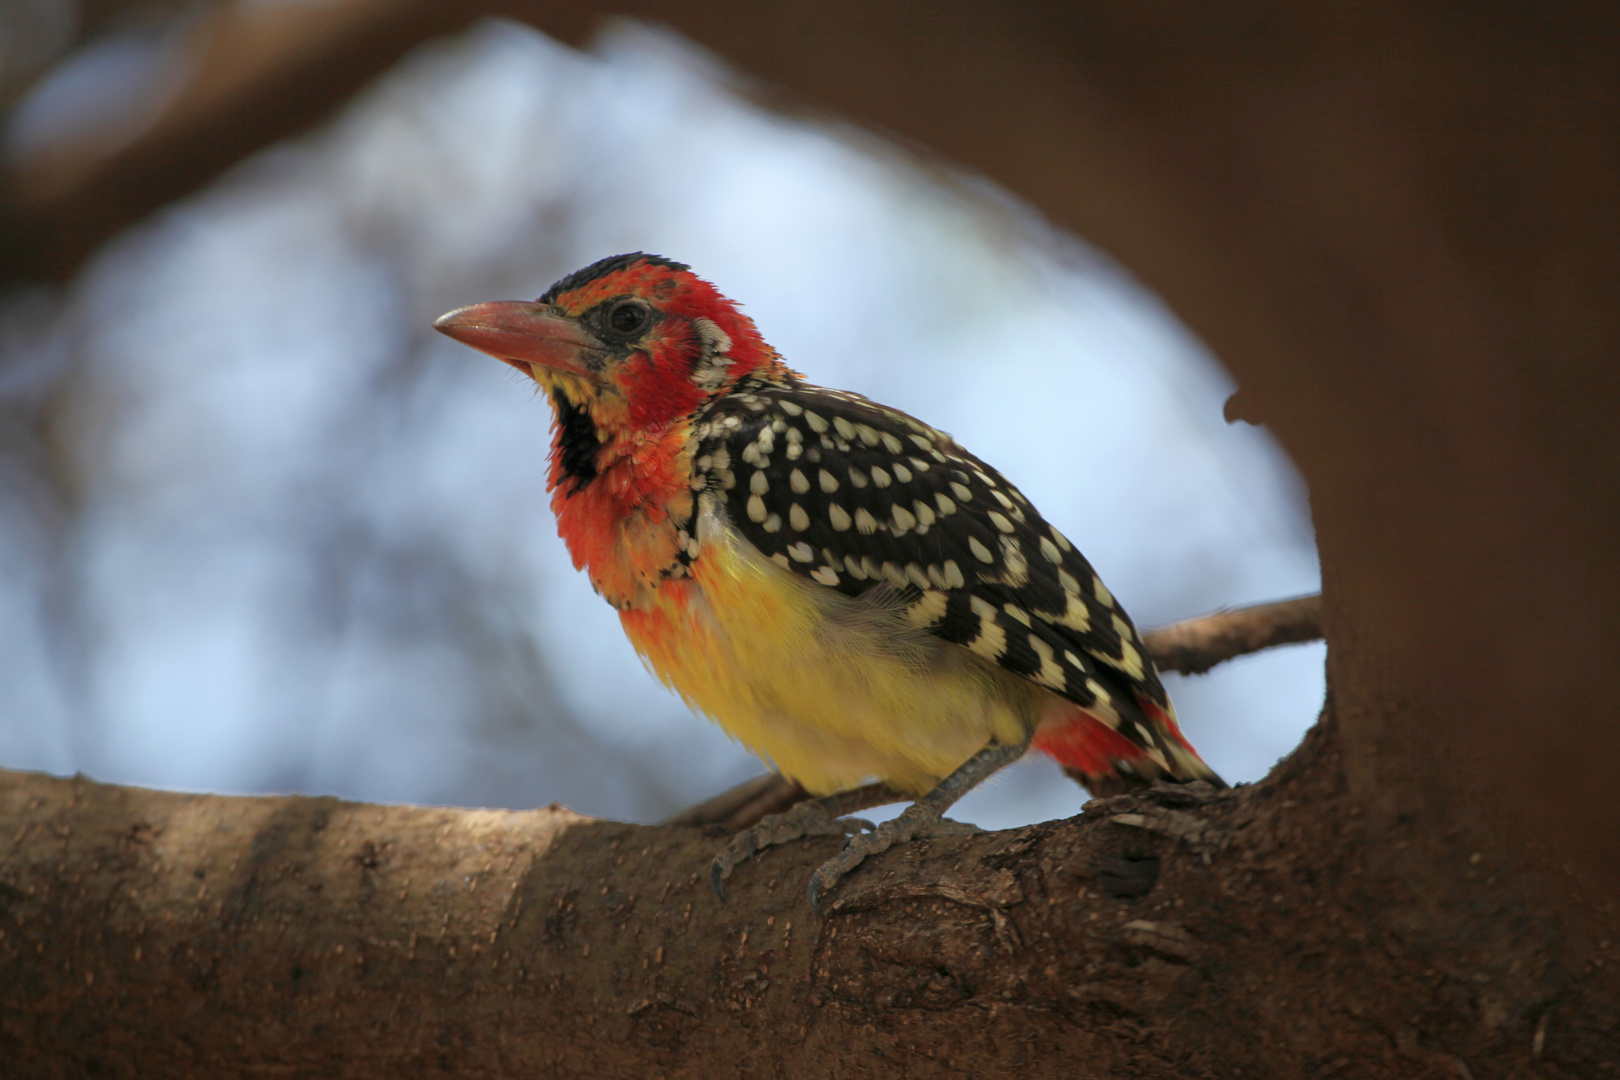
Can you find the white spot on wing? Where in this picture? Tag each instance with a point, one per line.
(928, 609)
(991, 641)
(1050, 674)
(1102, 592)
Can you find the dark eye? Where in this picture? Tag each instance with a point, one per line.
(627, 317)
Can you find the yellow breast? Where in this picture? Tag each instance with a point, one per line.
(833, 690)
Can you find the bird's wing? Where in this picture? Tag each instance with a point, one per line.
(851, 494)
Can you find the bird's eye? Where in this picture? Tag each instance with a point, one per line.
(627, 317)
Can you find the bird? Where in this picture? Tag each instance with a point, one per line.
(874, 611)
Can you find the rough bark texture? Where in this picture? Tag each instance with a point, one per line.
(1397, 226)
(1254, 933)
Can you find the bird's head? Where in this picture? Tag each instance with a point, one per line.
(633, 342)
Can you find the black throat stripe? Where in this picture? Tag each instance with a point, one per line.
(577, 442)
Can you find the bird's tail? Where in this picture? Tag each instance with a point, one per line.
(1103, 759)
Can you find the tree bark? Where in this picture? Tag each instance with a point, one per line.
(1168, 933)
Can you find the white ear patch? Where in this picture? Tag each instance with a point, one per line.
(715, 340)
(710, 371)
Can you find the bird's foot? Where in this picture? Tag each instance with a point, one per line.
(916, 822)
(813, 818)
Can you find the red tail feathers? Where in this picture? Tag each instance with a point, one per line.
(1088, 746)
(1101, 757)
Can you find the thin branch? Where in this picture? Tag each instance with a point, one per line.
(739, 807)
(1196, 645)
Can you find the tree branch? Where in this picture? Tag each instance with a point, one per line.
(1196, 645)
(737, 808)
(1171, 932)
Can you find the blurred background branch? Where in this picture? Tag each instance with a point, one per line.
(250, 74)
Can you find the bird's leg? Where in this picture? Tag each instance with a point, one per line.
(813, 817)
(923, 818)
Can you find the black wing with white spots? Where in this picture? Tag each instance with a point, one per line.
(851, 494)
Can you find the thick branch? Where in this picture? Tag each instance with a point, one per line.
(148, 934)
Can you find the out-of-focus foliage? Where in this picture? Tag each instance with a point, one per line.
(260, 529)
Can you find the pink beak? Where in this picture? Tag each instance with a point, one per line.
(521, 334)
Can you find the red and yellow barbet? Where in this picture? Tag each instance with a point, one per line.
(842, 587)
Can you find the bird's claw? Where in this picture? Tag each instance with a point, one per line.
(717, 876)
(912, 824)
(855, 826)
(805, 819)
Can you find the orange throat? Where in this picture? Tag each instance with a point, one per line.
(622, 525)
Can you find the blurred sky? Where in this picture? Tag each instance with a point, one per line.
(262, 530)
